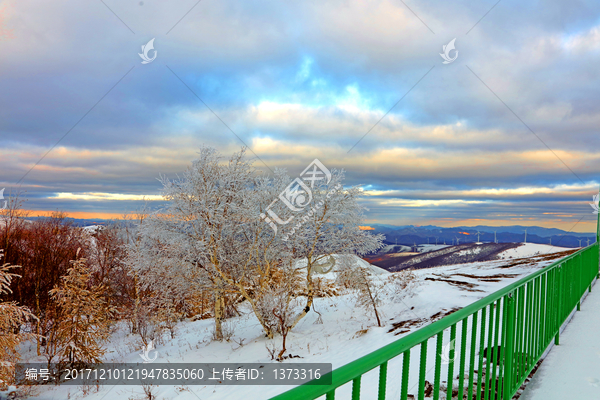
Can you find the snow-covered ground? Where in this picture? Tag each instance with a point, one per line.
(388, 248)
(426, 248)
(572, 369)
(92, 228)
(345, 334)
(529, 250)
(332, 272)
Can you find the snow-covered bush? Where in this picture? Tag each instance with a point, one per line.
(12, 318)
(401, 284)
(358, 278)
(84, 317)
(278, 306)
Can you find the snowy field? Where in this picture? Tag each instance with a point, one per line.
(345, 333)
(426, 248)
(529, 249)
(571, 370)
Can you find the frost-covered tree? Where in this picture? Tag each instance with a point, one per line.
(329, 225)
(12, 318)
(85, 317)
(358, 277)
(197, 229)
(212, 228)
(106, 256)
(262, 264)
(136, 263)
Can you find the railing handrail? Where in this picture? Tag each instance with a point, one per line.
(368, 362)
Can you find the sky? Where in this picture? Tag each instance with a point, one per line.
(506, 134)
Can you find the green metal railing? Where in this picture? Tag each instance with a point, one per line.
(500, 340)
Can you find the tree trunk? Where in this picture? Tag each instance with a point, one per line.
(280, 356)
(266, 328)
(136, 307)
(372, 301)
(309, 297)
(245, 295)
(377, 315)
(219, 309)
(37, 325)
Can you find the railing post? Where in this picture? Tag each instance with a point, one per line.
(405, 372)
(509, 331)
(382, 380)
(422, 370)
(559, 304)
(356, 388)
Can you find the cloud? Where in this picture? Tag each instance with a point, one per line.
(104, 196)
(298, 81)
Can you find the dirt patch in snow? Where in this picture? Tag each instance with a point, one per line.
(488, 278)
(468, 286)
(402, 326)
(539, 258)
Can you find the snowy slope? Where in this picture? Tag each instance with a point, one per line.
(346, 333)
(375, 270)
(531, 249)
(426, 248)
(92, 228)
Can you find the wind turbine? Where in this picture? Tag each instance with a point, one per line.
(495, 241)
(427, 239)
(436, 239)
(588, 241)
(478, 235)
(550, 240)
(580, 242)
(457, 241)
(525, 236)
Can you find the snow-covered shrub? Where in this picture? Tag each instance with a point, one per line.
(359, 279)
(85, 318)
(12, 318)
(278, 306)
(147, 327)
(401, 284)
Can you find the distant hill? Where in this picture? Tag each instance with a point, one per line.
(77, 221)
(424, 257)
(409, 235)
